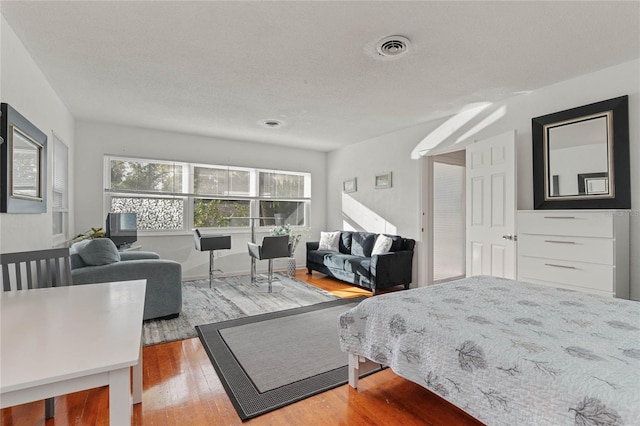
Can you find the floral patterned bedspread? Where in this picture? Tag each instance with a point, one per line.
(508, 352)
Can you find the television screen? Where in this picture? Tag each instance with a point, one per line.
(122, 228)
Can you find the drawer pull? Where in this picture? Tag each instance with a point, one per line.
(559, 242)
(559, 217)
(560, 266)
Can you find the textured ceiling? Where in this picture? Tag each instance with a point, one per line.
(218, 68)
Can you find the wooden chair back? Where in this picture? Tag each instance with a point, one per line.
(27, 270)
(35, 269)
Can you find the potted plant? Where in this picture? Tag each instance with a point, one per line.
(294, 238)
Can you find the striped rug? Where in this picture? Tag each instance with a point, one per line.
(269, 361)
(230, 298)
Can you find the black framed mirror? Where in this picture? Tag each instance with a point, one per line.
(23, 155)
(581, 157)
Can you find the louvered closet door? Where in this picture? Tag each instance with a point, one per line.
(491, 206)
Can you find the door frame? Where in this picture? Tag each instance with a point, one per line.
(425, 263)
(425, 220)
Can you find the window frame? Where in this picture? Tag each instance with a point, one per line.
(189, 194)
(62, 209)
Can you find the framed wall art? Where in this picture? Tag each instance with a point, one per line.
(383, 180)
(350, 185)
(23, 155)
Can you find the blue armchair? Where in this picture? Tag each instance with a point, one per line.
(164, 277)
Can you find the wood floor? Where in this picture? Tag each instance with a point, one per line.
(182, 388)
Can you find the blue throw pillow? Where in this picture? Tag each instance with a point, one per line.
(362, 243)
(99, 251)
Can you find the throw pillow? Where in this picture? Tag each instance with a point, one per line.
(329, 241)
(76, 260)
(99, 251)
(382, 245)
(345, 242)
(362, 243)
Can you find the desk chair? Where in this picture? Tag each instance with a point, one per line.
(271, 248)
(28, 270)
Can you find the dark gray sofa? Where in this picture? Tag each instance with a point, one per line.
(163, 296)
(372, 272)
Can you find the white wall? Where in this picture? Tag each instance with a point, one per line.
(25, 88)
(95, 140)
(568, 163)
(401, 206)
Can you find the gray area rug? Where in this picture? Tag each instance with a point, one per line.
(268, 361)
(230, 298)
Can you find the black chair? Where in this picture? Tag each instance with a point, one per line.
(272, 248)
(211, 243)
(28, 270)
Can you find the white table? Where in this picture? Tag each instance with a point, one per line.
(59, 340)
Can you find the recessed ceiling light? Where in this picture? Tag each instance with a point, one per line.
(393, 45)
(271, 124)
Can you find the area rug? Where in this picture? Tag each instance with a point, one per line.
(230, 298)
(268, 361)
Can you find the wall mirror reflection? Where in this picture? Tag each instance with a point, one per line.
(579, 160)
(581, 157)
(26, 165)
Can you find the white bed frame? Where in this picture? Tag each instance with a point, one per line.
(359, 365)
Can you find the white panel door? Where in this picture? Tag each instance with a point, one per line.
(491, 206)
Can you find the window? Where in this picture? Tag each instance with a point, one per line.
(60, 189)
(280, 188)
(148, 188)
(221, 181)
(171, 196)
(153, 213)
(147, 176)
(220, 213)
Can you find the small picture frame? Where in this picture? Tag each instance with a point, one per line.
(350, 185)
(383, 180)
(596, 185)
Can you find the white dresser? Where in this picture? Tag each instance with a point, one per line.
(586, 250)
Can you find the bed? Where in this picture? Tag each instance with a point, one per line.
(506, 352)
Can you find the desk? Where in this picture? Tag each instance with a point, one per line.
(61, 340)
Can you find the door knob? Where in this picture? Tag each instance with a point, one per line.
(510, 237)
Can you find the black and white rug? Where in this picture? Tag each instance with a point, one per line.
(230, 298)
(268, 361)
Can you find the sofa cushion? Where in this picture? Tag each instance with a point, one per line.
(362, 243)
(317, 256)
(345, 242)
(329, 241)
(99, 251)
(74, 256)
(382, 245)
(397, 242)
(336, 260)
(358, 265)
(76, 261)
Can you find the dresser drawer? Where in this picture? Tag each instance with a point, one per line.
(566, 222)
(575, 274)
(579, 249)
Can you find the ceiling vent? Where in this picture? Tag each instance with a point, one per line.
(393, 46)
(271, 124)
